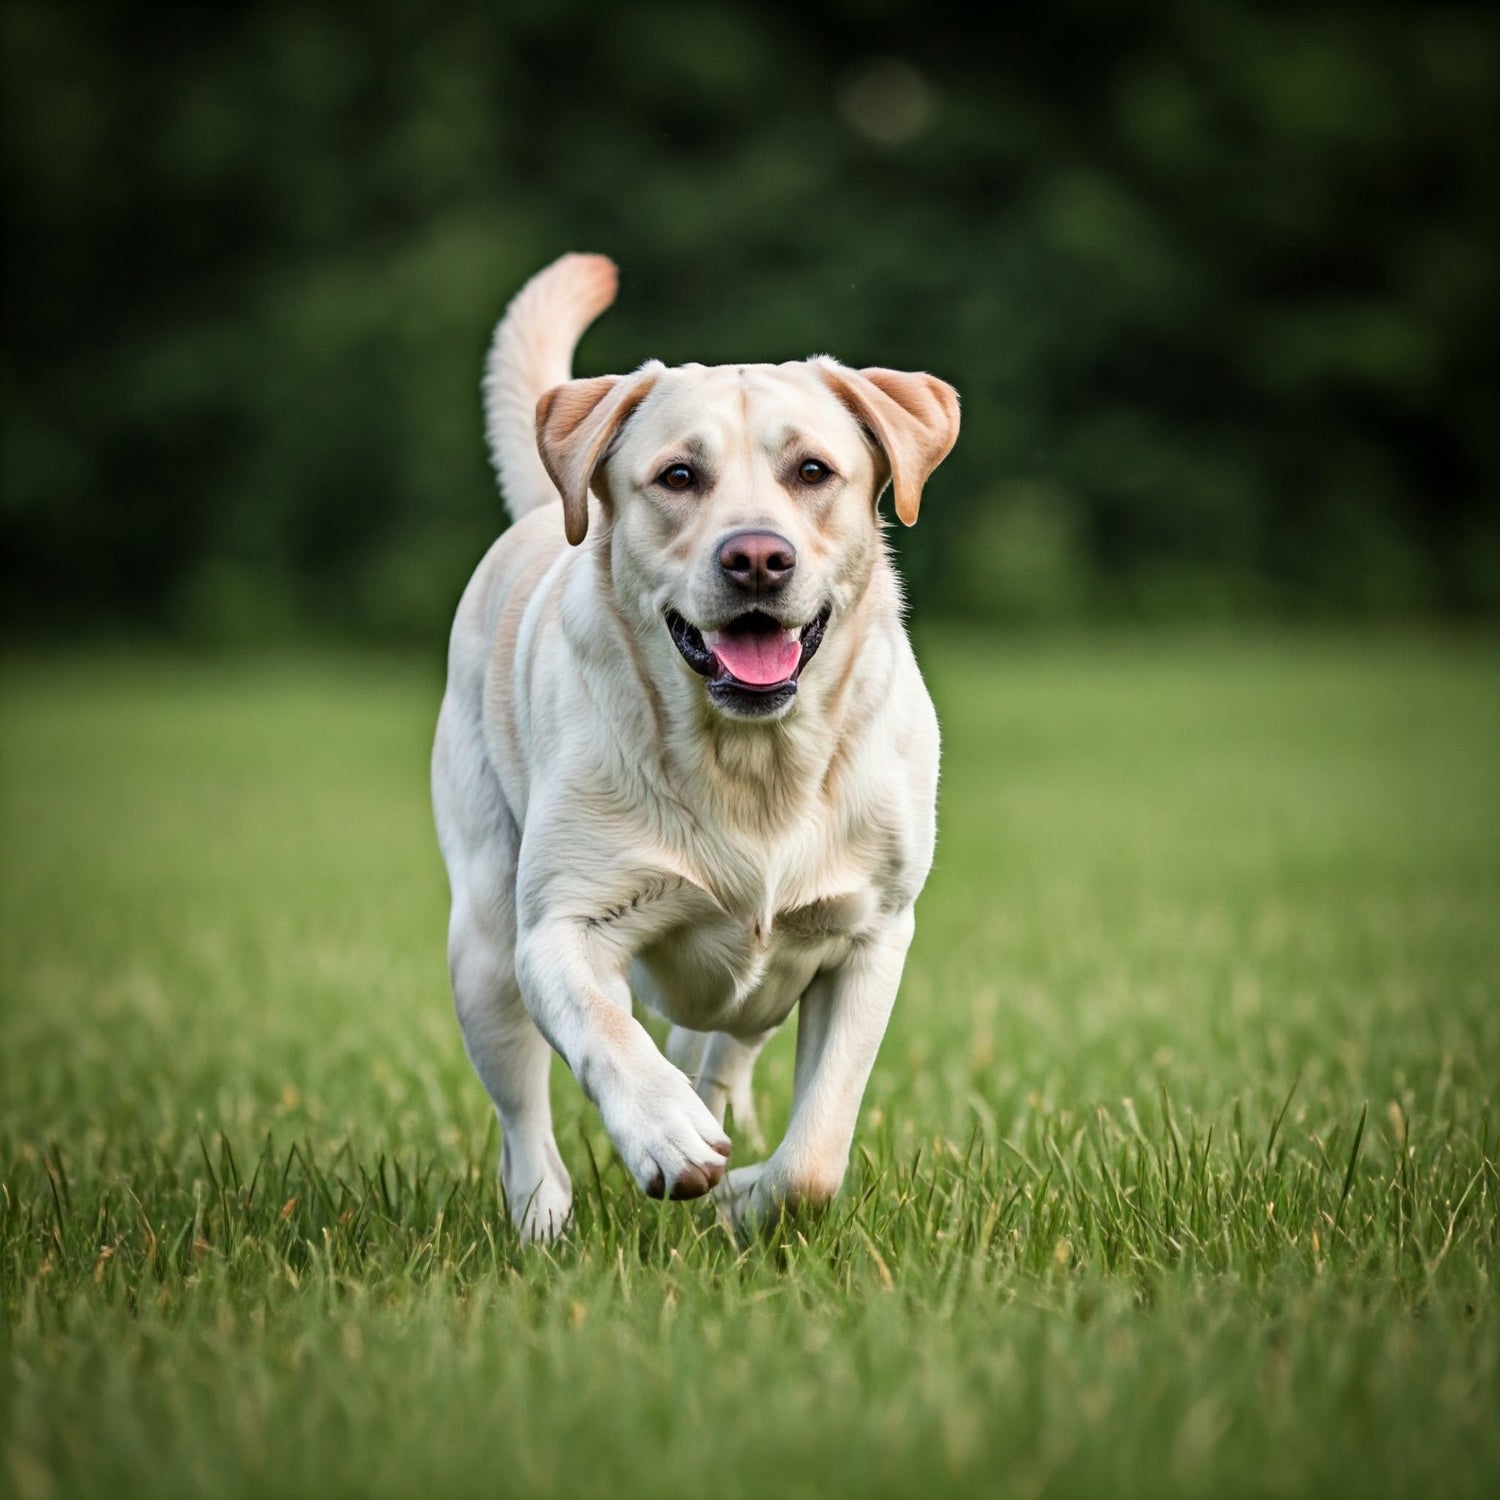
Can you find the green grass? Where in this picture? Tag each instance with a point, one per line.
(1177, 1174)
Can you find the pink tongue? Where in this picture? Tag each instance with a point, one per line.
(757, 657)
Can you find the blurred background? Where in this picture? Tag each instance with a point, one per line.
(1216, 280)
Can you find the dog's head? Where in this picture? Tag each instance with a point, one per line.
(742, 504)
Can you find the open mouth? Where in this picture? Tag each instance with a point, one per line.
(752, 657)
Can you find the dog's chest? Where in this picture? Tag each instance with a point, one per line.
(743, 968)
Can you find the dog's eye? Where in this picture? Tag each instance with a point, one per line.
(812, 472)
(677, 477)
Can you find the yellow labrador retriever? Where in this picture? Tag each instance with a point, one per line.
(685, 752)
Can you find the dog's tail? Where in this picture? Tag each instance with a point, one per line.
(532, 351)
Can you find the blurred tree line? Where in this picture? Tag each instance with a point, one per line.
(1216, 280)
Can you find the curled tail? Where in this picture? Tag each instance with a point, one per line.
(532, 351)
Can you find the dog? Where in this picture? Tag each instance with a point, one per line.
(684, 753)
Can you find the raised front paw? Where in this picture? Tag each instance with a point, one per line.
(666, 1135)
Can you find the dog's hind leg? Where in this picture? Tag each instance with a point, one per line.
(723, 1080)
(685, 1050)
(720, 1067)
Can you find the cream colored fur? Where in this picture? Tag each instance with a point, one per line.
(609, 832)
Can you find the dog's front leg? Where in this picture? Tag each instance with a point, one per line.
(573, 981)
(840, 1021)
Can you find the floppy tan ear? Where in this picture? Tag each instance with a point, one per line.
(575, 423)
(914, 418)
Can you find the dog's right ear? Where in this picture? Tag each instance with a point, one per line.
(575, 424)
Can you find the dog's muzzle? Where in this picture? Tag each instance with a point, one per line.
(751, 664)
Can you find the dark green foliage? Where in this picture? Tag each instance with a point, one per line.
(1217, 282)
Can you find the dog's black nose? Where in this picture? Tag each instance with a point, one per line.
(762, 561)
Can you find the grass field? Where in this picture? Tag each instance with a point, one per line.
(1177, 1174)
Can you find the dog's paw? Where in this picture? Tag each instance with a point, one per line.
(750, 1197)
(538, 1192)
(667, 1137)
(544, 1215)
(753, 1197)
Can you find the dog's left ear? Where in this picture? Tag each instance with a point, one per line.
(575, 424)
(914, 418)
